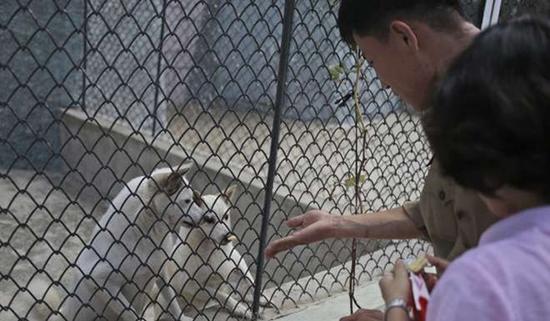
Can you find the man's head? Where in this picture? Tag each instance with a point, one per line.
(490, 122)
(406, 42)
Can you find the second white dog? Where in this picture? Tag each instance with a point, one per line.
(206, 265)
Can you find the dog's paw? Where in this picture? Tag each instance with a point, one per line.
(241, 310)
(260, 316)
(265, 303)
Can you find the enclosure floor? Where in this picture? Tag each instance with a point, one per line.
(42, 228)
(337, 306)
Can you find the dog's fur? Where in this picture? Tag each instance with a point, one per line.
(130, 246)
(208, 266)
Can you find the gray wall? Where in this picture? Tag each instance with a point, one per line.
(213, 52)
(40, 58)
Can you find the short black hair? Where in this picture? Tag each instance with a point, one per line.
(489, 125)
(372, 17)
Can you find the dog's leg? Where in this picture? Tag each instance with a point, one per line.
(169, 296)
(238, 275)
(160, 297)
(233, 305)
(89, 303)
(170, 281)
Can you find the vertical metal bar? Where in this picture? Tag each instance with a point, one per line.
(279, 101)
(159, 64)
(496, 12)
(84, 55)
(491, 13)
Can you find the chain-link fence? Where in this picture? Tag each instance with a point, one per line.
(256, 94)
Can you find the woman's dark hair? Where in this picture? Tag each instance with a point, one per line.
(372, 17)
(490, 121)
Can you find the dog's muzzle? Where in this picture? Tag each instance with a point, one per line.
(188, 224)
(187, 221)
(229, 237)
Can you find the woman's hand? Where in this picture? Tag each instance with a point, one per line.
(396, 284)
(365, 315)
(439, 263)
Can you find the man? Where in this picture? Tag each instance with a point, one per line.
(409, 44)
(489, 126)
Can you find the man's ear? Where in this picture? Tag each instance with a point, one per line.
(403, 35)
(229, 194)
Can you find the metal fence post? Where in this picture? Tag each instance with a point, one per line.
(491, 13)
(279, 101)
(84, 54)
(159, 63)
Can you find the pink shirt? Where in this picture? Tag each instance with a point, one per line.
(507, 277)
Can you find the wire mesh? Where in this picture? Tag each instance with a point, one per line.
(98, 92)
(512, 8)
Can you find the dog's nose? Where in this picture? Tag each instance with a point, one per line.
(229, 237)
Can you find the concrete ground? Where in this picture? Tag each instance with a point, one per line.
(337, 306)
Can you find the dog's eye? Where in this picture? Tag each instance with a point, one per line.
(209, 219)
(187, 201)
(225, 217)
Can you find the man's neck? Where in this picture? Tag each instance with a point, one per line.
(446, 46)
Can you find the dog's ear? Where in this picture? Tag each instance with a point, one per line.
(229, 194)
(170, 181)
(184, 168)
(175, 181)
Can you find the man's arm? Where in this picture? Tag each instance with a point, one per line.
(317, 225)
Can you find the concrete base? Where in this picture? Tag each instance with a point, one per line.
(337, 306)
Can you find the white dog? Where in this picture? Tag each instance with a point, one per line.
(206, 264)
(130, 246)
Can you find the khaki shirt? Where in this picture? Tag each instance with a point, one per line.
(452, 218)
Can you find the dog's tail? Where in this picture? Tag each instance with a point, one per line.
(48, 299)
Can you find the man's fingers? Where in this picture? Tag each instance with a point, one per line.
(296, 221)
(311, 232)
(279, 245)
(300, 237)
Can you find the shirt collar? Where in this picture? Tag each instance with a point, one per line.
(517, 223)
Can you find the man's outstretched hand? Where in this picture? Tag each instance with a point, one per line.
(313, 226)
